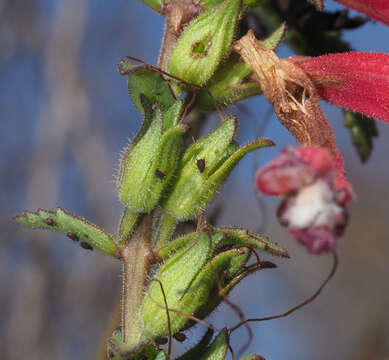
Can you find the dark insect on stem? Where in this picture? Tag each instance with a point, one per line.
(86, 246)
(72, 236)
(189, 84)
(159, 174)
(49, 222)
(180, 337)
(201, 165)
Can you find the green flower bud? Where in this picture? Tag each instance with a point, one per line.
(205, 42)
(203, 168)
(191, 290)
(149, 162)
(211, 256)
(75, 227)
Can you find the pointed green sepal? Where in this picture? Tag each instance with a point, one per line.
(218, 348)
(204, 43)
(253, 357)
(177, 244)
(199, 349)
(75, 227)
(200, 161)
(235, 236)
(195, 187)
(276, 37)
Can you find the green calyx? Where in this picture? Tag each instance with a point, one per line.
(191, 290)
(149, 162)
(75, 227)
(203, 168)
(205, 42)
(212, 257)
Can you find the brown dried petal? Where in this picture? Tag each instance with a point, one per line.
(290, 91)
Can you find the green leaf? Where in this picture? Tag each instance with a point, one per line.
(75, 227)
(362, 130)
(253, 357)
(204, 43)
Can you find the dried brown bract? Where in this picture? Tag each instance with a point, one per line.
(291, 92)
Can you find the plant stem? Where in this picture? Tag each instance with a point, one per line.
(137, 259)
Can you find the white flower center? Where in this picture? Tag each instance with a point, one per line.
(313, 206)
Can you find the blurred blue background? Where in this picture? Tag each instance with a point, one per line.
(64, 118)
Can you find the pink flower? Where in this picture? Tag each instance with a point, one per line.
(314, 206)
(376, 9)
(358, 81)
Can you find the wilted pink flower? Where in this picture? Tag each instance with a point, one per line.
(358, 81)
(376, 9)
(314, 207)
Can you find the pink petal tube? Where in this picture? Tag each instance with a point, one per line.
(358, 81)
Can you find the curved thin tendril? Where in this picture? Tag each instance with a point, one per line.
(169, 325)
(299, 306)
(191, 85)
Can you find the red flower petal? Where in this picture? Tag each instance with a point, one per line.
(376, 9)
(357, 81)
(294, 168)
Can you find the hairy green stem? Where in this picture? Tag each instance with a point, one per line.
(137, 259)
